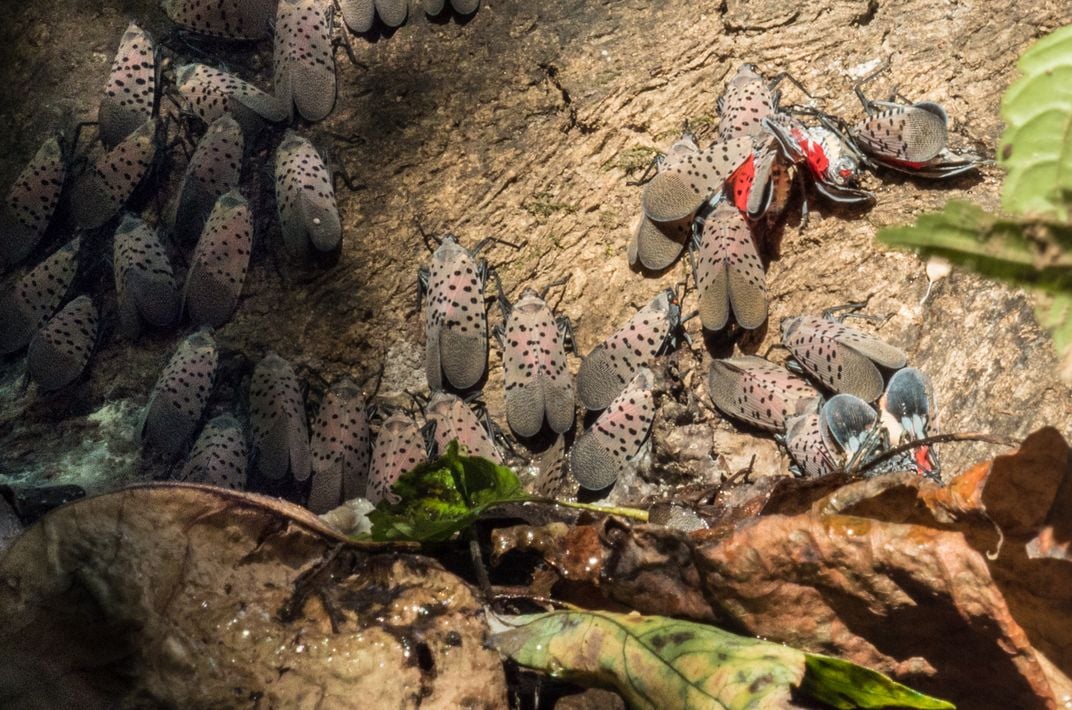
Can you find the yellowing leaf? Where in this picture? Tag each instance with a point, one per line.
(657, 662)
(1036, 147)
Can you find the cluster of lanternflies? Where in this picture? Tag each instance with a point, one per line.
(708, 201)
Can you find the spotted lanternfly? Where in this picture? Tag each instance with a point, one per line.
(214, 169)
(59, 352)
(453, 420)
(305, 197)
(759, 392)
(601, 453)
(728, 271)
(220, 455)
(303, 60)
(31, 202)
(850, 423)
(613, 363)
(359, 14)
(179, 397)
(340, 447)
(833, 164)
(36, 297)
(144, 282)
(747, 100)
(462, 7)
(910, 139)
(209, 93)
(455, 319)
(681, 186)
(808, 446)
(655, 245)
(399, 448)
(840, 357)
(277, 413)
(102, 191)
(538, 383)
(552, 474)
(908, 401)
(130, 95)
(230, 19)
(219, 263)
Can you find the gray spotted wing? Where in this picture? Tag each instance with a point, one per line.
(392, 12)
(613, 363)
(303, 60)
(399, 448)
(911, 134)
(601, 453)
(277, 413)
(130, 95)
(552, 477)
(455, 421)
(214, 169)
(678, 190)
(229, 19)
(729, 273)
(840, 357)
(759, 392)
(807, 447)
(340, 448)
(537, 379)
(746, 101)
(305, 197)
(60, 351)
(220, 456)
(31, 202)
(180, 395)
(36, 297)
(103, 190)
(209, 93)
(144, 282)
(358, 14)
(219, 263)
(456, 328)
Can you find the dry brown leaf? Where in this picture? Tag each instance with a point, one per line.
(188, 596)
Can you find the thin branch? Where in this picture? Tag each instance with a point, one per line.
(926, 441)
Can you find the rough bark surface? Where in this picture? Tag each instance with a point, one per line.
(520, 123)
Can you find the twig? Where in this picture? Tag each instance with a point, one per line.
(926, 441)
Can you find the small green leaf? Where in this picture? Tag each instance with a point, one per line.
(441, 497)
(846, 685)
(657, 662)
(1007, 249)
(1036, 147)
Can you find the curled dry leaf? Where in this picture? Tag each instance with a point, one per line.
(188, 596)
(930, 584)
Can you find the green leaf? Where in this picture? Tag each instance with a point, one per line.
(657, 662)
(441, 497)
(846, 685)
(1036, 147)
(1008, 249)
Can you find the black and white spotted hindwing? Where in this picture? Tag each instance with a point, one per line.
(277, 413)
(399, 448)
(229, 19)
(214, 169)
(729, 273)
(220, 456)
(305, 197)
(60, 351)
(455, 421)
(144, 282)
(36, 297)
(455, 319)
(759, 392)
(180, 395)
(538, 383)
(340, 448)
(840, 357)
(130, 95)
(27, 211)
(304, 63)
(613, 363)
(103, 190)
(601, 453)
(219, 263)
